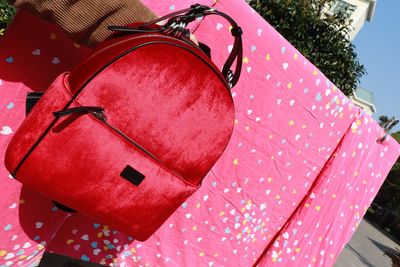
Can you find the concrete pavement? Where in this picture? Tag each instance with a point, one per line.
(367, 248)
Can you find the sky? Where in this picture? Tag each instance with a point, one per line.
(378, 49)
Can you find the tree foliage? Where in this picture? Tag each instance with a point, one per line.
(7, 12)
(321, 38)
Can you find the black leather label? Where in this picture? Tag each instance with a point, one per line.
(132, 175)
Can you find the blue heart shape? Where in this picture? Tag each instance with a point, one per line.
(20, 252)
(94, 244)
(54, 209)
(172, 7)
(85, 258)
(36, 238)
(318, 97)
(227, 230)
(8, 227)
(184, 205)
(253, 48)
(10, 60)
(283, 50)
(10, 105)
(96, 225)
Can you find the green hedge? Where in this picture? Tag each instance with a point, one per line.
(7, 13)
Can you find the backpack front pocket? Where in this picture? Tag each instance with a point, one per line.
(88, 165)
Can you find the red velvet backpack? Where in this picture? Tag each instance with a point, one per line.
(132, 131)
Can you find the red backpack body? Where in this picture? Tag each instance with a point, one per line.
(131, 132)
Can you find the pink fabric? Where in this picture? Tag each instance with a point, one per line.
(301, 169)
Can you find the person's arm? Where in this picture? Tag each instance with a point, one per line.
(86, 21)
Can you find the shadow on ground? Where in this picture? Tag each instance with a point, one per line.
(361, 257)
(394, 254)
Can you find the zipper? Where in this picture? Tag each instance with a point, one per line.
(98, 112)
(211, 66)
(103, 119)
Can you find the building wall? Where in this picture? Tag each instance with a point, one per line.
(359, 16)
(364, 106)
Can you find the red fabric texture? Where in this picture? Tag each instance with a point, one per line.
(165, 96)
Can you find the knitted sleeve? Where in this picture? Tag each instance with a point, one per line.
(86, 21)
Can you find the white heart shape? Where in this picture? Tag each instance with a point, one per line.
(9, 256)
(259, 32)
(285, 65)
(38, 225)
(327, 92)
(263, 206)
(55, 60)
(286, 235)
(36, 52)
(6, 130)
(219, 26)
